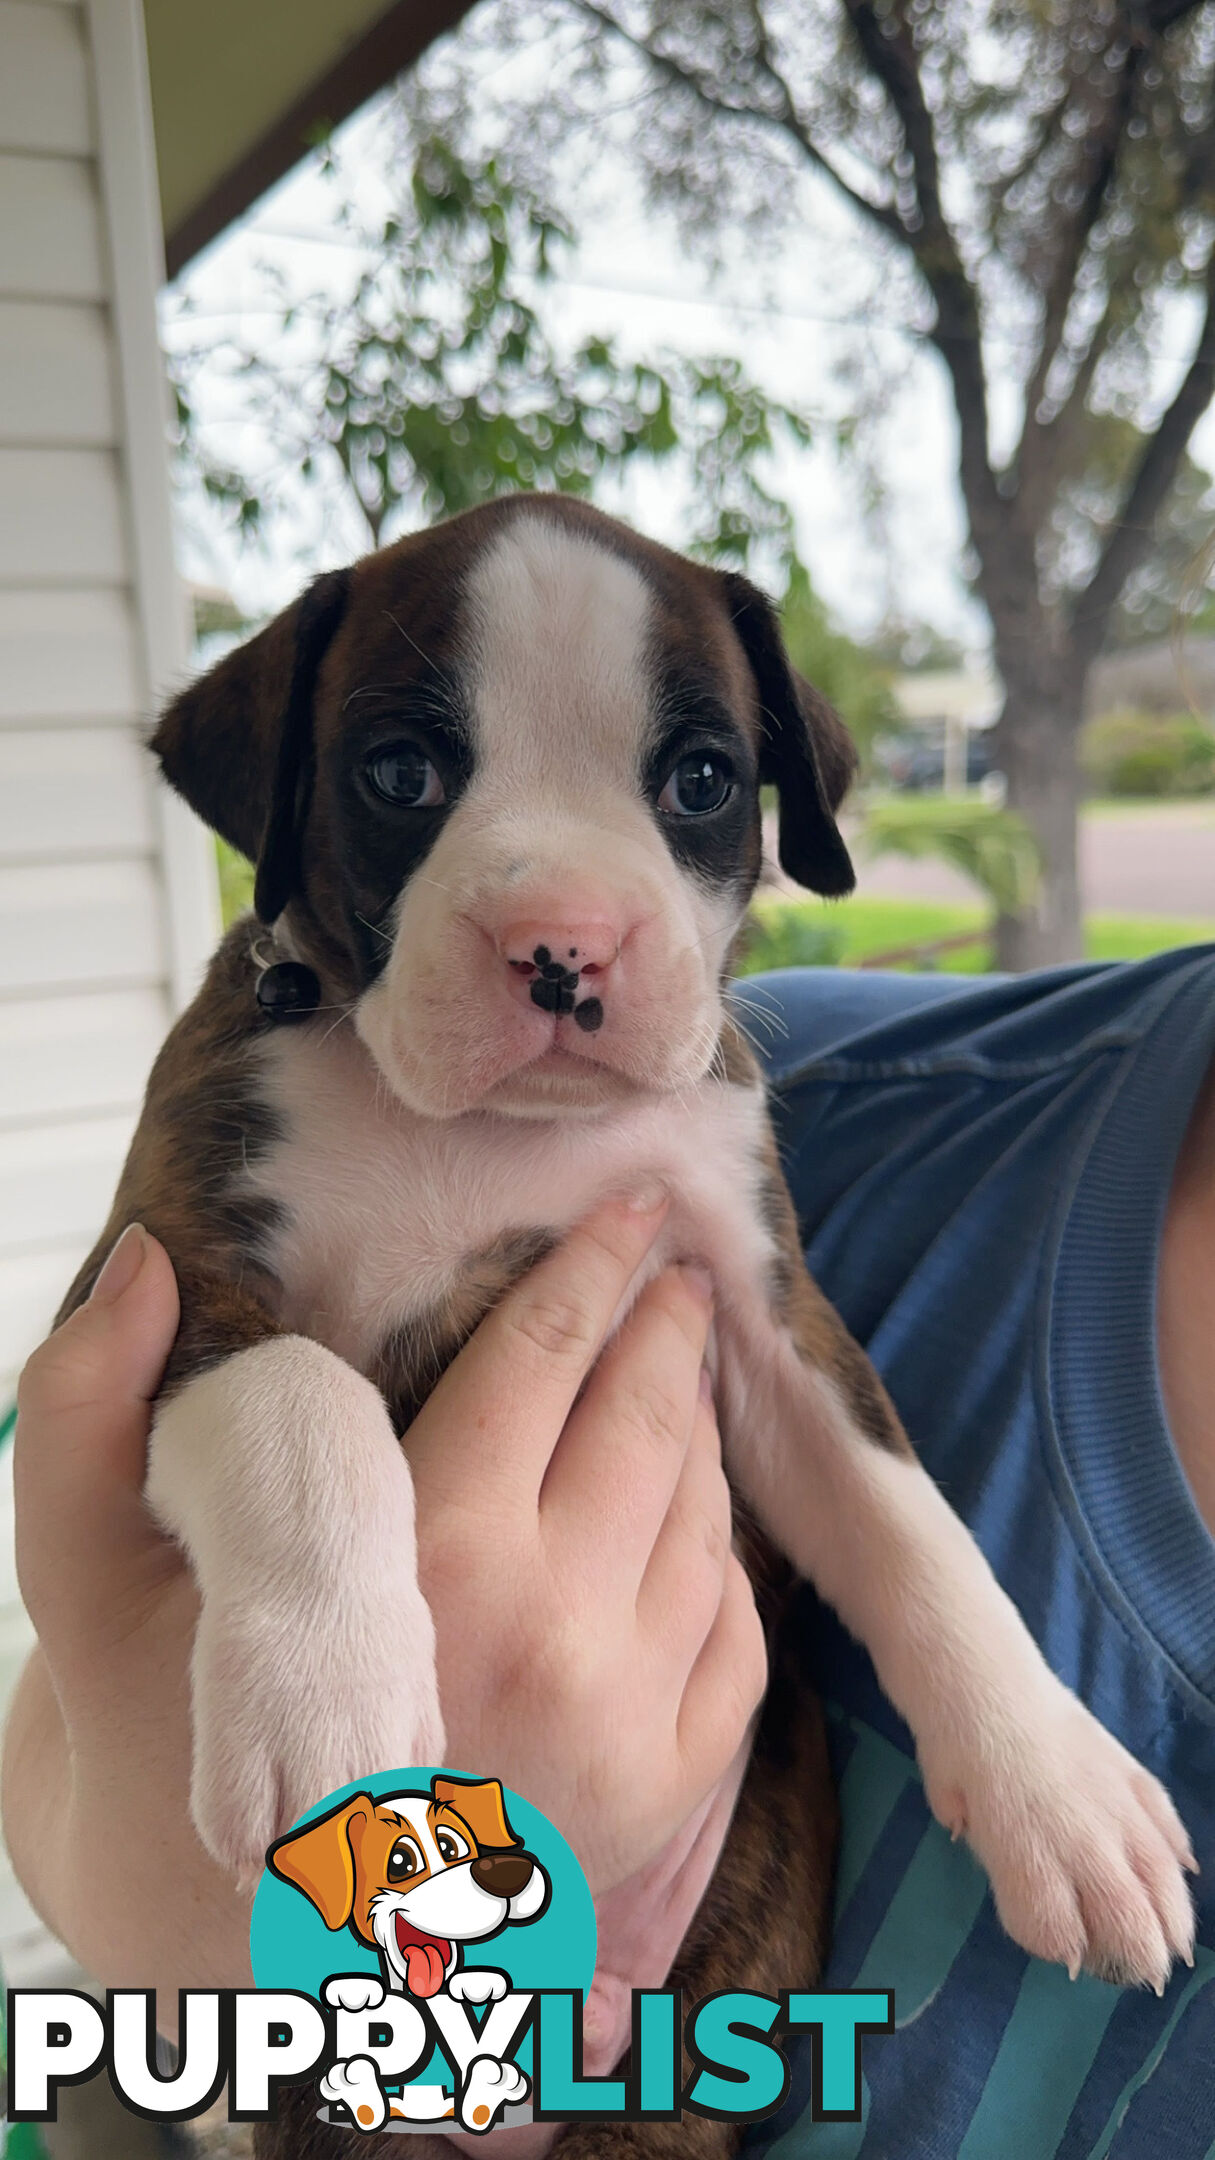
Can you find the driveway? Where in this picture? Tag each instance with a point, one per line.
(1156, 859)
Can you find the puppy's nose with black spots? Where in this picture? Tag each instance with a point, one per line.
(563, 968)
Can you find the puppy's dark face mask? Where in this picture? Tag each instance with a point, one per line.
(501, 783)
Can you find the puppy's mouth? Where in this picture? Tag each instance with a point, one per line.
(425, 1957)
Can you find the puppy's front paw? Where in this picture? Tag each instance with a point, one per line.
(490, 2086)
(1085, 1850)
(356, 2085)
(287, 1707)
(354, 1991)
(479, 1984)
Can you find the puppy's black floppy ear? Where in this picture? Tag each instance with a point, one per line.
(807, 753)
(238, 744)
(278, 864)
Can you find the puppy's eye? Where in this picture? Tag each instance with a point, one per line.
(451, 1845)
(405, 1860)
(700, 782)
(404, 775)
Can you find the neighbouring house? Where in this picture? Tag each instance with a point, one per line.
(127, 135)
(1170, 675)
(949, 705)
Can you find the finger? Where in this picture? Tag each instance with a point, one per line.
(496, 1415)
(81, 1442)
(726, 1684)
(681, 1589)
(619, 1460)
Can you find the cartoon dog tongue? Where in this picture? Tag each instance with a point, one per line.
(425, 1958)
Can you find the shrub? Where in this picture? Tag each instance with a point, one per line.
(782, 934)
(991, 846)
(1133, 753)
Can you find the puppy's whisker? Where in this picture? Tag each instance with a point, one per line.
(408, 640)
(385, 936)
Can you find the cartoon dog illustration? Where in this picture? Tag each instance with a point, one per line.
(415, 1876)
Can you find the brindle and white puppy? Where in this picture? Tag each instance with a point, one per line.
(501, 781)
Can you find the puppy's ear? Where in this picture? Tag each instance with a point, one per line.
(479, 1805)
(319, 1859)
(238, 744)
(807, 753)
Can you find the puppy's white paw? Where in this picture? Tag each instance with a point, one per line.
(356, 2085)
(354, 1991)
(289, 1706)
(480, 1984)
(489, 2087)
(1085, 1850)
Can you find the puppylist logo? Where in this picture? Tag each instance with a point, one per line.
(423, 1944)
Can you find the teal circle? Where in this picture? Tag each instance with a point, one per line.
(291, 1947)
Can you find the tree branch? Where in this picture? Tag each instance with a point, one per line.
(889, 53)
(1101, 146)
(1052, 121)
(787, 120)
(1131, 537)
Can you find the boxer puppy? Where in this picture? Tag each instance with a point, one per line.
(502, 784)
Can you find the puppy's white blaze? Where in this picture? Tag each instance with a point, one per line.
(558, 657)
(560, 670)
(279, 1473)
(411, 1807)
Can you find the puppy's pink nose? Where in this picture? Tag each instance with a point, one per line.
(581, 947)
(561, 966)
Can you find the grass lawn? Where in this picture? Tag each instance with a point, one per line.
(843, 933)
(1157, 809)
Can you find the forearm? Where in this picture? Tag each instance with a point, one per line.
(108, 1858)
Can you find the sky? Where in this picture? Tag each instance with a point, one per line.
(800, 326)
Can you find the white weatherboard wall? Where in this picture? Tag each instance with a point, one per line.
(107, 889)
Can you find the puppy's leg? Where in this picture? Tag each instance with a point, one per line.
(279, 1473)
(1084, 1849)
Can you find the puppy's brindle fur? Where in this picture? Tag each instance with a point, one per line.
(297, 1175)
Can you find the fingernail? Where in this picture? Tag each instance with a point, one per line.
(646, 1198)
(122, 1265)
(698, 1280)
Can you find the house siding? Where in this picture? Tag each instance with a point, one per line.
(107, 890)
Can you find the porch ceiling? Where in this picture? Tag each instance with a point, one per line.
(240, 87)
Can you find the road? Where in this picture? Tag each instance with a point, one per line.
(1144, 860)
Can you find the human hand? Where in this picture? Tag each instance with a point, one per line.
(96, 1767)
(598, 1644)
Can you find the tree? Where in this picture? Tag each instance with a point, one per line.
(1041, 175)
(424, 379)
(848, 674)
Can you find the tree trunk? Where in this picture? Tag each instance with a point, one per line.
(1036, 748)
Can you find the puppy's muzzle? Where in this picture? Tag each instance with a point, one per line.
(503, 1875)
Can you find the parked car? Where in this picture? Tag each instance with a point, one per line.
(915, 760)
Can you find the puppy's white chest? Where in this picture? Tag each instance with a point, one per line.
(382, 1210)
